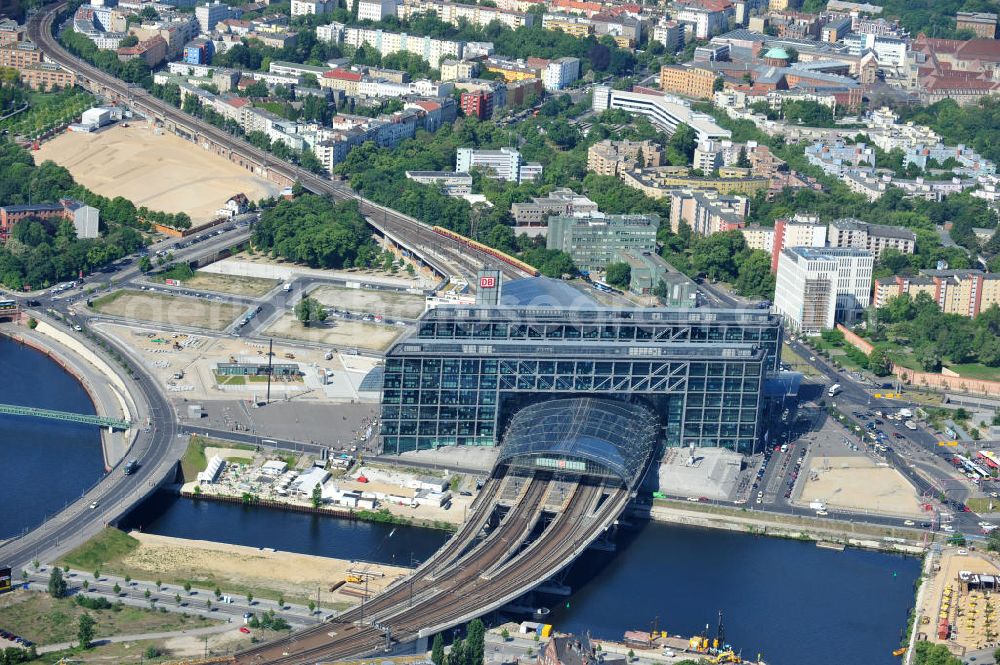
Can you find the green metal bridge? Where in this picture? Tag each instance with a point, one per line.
(100, 421)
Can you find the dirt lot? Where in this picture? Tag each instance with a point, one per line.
(857, 483)
(46, 620)
(336, 332)
(176, 310)
(239, 286)
(159, 171)
(389, 304)
(235, 567)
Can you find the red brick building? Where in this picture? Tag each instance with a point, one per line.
(478, 104)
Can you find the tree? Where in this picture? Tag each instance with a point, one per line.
(218, 593)
(618, 274)
(475, 644)
(317, 496)
(187, 587)
(85, 630)
(147, 594)
(249, 598)
(311, 606)
(97, 575)
(57, 584)
(281, 601)
(128, 580)
(145, 264)
(754, 277)
(308, 311)
(208, 604)
(742, 160)
(437, 650)
(177, 598)
(159, 585)
(117, 589)
(457, 654)
(879, 363)
(718, 84)
(85, 585)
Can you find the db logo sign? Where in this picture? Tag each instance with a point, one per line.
(487, 282)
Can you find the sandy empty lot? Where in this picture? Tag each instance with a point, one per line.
(387, 303)
(857, 483)
(295, 575)
(336, 332)
(176, 310)
(159, 171)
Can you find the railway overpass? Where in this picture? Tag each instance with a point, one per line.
(446, 256)
(566, 471)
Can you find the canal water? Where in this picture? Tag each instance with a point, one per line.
(787, 600)
(46, 463)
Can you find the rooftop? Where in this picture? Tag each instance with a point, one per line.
(543, 292)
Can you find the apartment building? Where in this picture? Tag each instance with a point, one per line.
(454, 70)
(710, 155)
(46, 76)
(386, 43)
(670, 34)
(688, 81)
(152, 51)
(705, 18)
(314, 7)
(983, 24)
(876, 238)
(505, 164)
(560, 72)
(477, 104)
(594, 239)
(10, 32)
(210, 14)
(572, 24)
(454, 13)
(962, 292)
(341, 79)
(707, 213)
(531, 216)
(759, 237)
(19, 55)
(611, 158)
(376, 10)
(658, 183)
(799, 231)
(86, 219)
(816, 288)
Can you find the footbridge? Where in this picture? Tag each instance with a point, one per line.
(100, 421)
(566, 471)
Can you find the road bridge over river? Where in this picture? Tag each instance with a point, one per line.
(565, 473)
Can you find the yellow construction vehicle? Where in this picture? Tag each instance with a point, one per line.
(726, 657)
(355, 579)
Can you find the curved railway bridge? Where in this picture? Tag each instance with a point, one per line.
(566, 470)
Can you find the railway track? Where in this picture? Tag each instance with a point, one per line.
(448, 256)
(466, 590)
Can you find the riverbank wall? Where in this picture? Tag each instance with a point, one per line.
(111, 401)
(825, 532)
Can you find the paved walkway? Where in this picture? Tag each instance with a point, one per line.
(208, 630)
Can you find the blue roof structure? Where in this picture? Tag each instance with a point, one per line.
(543, 292)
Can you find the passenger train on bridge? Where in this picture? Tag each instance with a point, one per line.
(485, 249)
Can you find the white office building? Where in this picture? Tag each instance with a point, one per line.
(209, 15)
(890, 52)
(664, 111)
(504, 163)
(819, 287)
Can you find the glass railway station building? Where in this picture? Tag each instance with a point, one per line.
(466, 372)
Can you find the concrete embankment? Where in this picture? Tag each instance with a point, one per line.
(105, 387)
(826, 531)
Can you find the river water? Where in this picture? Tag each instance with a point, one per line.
(788, 600)
(47, 463)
